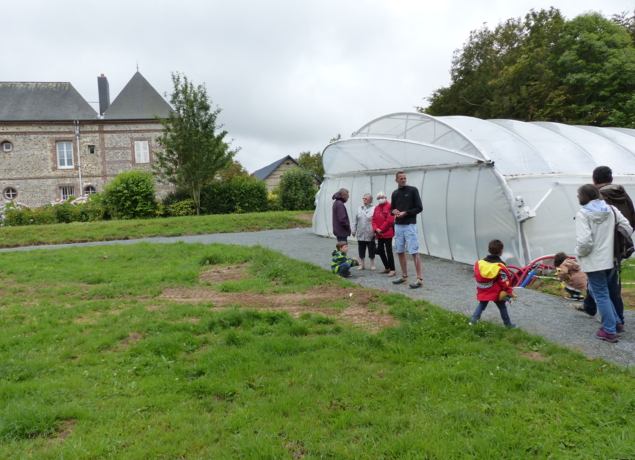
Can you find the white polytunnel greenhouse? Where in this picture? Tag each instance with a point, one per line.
(478, 179)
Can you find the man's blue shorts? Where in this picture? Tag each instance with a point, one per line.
(406, 234)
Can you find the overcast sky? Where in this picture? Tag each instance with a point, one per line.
(288, 74)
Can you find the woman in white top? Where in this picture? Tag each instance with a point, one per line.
(362, 229)
(595, 235)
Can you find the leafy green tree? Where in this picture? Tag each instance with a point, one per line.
(131, 195)
(235, 171)
(194, 149)
(296, 190)
(544, 67)
(312, 162)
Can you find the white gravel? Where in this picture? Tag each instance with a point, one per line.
(449, 285)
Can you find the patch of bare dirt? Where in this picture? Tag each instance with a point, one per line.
(63, 431)
(362, 309)
(307, 217)
(129, 341)
(155, 307)
(86, 319)
(534, 355)
(217, 274)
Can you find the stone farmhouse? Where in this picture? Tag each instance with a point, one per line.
(53, 144)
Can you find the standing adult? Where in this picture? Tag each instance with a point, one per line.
(362, 229)
(595, 233)
(613, 195)
(405, 205)
(383, 222)
(341, 224)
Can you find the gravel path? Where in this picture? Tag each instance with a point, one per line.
(447, 284)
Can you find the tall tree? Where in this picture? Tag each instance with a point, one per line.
(544, 67)
(193, 144)
(312, 162)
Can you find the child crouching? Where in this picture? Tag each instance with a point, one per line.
(340, 264)
(569, 272)
(493, 283)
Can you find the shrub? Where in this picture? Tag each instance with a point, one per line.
(297, 190)
(237, 196)
(181, 208)
(130, 195)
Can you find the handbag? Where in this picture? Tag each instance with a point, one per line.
(623, 246)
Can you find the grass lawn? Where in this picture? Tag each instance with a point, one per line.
(83, 232)
(187, 351)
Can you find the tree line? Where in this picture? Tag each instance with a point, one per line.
(544, 67)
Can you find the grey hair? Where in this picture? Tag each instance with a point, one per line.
(343, 191)
(369, 195)
(381, 195)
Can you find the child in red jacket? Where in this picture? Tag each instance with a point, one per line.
(493, 283)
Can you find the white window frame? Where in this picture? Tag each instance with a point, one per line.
(67, 191)
(63, 152)
(14, 192)
(6, 144)
(141, 152)
(93, 190)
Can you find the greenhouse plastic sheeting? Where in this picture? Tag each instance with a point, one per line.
(478, 179)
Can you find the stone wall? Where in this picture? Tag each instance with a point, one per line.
(31, 167)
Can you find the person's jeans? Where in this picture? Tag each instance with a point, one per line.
(615, 292)
(502, 308)
(342, 238)
(343, 269)
(384, 249)
(599, 288)
(362, 245)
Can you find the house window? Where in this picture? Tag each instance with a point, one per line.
(91, 149)
(90, 190)
(10, 193)
(141, 152)
(7, 146)
(66, 192)
(64, 155)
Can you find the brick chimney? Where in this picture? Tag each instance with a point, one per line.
(104, 94)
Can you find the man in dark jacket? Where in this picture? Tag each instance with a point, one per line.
(405, 204)
(614, 195)
(341, 224)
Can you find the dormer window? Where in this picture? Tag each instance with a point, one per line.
(7, 146)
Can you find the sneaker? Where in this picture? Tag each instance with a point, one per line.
(612, 338)
(473, 321)
(345, 275)
(577, 298)
(373, 269)
(619, 328)
(417, 284)
(361, 267)
(511, 325)
(402, 280)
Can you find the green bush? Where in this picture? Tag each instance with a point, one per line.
(237, 196)
(297, 190)
(180, 208)
(130, 195)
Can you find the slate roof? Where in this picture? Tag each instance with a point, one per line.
(26, 101)
(265, 172)
(138, 100)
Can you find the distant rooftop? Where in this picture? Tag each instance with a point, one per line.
(25, 101)
(138, 100)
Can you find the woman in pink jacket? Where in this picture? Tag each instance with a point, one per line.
(383, 222)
